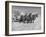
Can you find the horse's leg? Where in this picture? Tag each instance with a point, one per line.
(27, 21)
(30, 20)
(23, 21)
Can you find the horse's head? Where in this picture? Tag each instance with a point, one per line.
(36, 15)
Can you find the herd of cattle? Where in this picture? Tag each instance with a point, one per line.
(27, 18)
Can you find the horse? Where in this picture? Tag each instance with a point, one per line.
(28, 17)
(33, 17)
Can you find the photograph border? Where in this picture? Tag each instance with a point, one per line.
(7, 17)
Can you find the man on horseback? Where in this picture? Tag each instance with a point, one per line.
(28, 17)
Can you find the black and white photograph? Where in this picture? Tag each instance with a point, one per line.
(25, 18)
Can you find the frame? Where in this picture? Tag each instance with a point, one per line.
(25, 25)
